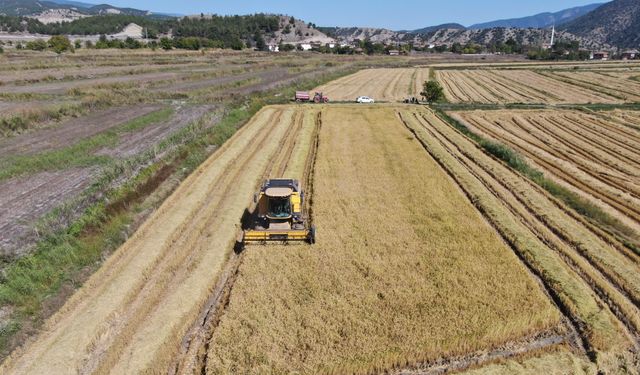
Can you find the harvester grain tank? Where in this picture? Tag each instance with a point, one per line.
(279, 214)
(303, 96)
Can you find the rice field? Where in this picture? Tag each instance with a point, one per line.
(130, 316)
(591, 275)
(405, 270)
(434, 251)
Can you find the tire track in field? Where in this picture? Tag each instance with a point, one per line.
(621, 303)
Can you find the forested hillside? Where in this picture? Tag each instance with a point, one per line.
(616, 23)
(228, 31)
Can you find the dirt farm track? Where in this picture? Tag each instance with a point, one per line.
(495, 232)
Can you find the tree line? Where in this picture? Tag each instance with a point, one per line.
(188, 32)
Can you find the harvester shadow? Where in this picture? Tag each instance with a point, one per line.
(246, 222)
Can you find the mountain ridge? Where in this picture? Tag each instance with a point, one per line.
(540, 20)
(62, 8)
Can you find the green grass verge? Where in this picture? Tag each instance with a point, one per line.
(80, 154)
(580, 205)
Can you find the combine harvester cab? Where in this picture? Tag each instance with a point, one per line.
(279, 214)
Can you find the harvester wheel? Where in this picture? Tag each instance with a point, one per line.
(240, 243)
(312, 235)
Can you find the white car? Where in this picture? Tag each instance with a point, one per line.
(365, 99)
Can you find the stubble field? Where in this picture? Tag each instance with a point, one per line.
(389, 85)
(524, 86)
(594, 154)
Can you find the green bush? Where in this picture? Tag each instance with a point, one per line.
(60, 43)
(432, 91)
(166, 43)
(37, 45)
(287, 47)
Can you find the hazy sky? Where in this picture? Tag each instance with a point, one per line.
(394, 14)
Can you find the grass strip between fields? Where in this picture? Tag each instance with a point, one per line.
(579, 204)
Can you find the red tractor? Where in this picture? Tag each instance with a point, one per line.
(303, 96)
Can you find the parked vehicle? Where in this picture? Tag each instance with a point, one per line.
(365, 99)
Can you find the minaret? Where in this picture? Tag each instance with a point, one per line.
(553, 36)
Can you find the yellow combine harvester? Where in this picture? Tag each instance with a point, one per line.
(279, 215)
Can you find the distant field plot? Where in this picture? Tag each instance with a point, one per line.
(385, 84)
(514, 86)
(404, 271)
(622, 88)
(592, 154)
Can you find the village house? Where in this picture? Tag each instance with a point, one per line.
(600, 55)
(274, 48)
(630, 54)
